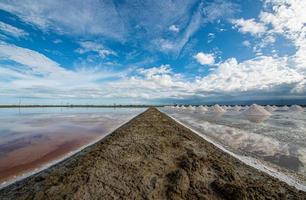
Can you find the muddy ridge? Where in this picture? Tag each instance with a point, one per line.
(151, 157)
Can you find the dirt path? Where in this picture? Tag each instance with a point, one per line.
(151, 157)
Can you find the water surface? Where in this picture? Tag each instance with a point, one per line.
(34, 137)
(279, 139)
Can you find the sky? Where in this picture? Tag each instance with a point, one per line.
(151, 51)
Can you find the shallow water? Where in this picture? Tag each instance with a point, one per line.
(34, 137)
(279, 139)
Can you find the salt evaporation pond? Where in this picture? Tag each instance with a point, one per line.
(34, 138)
(278, 140)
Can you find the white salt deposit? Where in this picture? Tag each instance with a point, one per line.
(256, 110)
(285, 108)
(244, 107)
(296, 108)
(216, 109)
(237, 108)
(202, 108)
(224, 107)
(190, 107)
(270, 108)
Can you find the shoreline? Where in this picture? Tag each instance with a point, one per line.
(151, 156)
(252, 162)
(57, 161)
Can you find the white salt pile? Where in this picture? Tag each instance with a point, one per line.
(216, 109)
(244, 107)
(285, 108)
(296, 108)
(270, 108)
(202, 108)
(256, 110)
(191, 108)
(224, 107)
(237, 108)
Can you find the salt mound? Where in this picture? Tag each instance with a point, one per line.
(270, 108)
(285, 108)
(224, 107)
(216, 109)
(256, 110)
(245, 107)
(296, 108)
(202, 108)
(190, 107)
(237, 108)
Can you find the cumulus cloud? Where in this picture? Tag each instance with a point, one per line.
(12, 30)
(285, 18)
(174, 28)
(205, 58)
(288, 19)
(249, 26)
(262, 73)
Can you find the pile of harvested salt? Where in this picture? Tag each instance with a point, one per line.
(285, 108)
(224, 107)
(270, 108)
(256, 110)
(216, 109)
(237, 108)
(191, 108)
(202, 108)
(296, 108)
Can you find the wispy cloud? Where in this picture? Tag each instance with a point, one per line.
(10, 30)
(90, 46)
(32, 59)
(70, 17)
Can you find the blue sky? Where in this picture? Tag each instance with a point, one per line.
(151, 51)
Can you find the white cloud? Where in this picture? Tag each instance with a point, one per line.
(12, 30)
(262, 73)
(217, 10)
(203, 14)
(210, 37)
(246, 43)
(174, 28)
(288, 19)
(205, 58)
(69, 17)
(35, 75)
(90, 46)
(152, 83)
(249, 26)
(273, 75)
(100, 18)
(34, 60)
